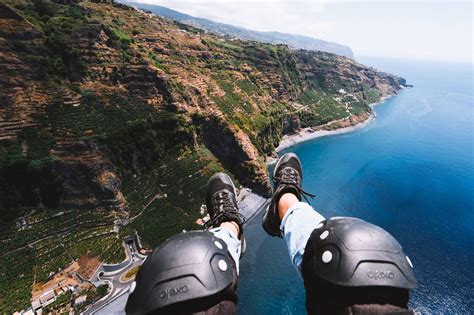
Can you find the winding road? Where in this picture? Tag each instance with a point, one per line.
(116, 298)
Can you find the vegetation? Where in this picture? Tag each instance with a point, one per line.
(371, 94)
(16, 272)
(231, 103)
(130, 274)
(63, 300)
(51, 241)
(93, 294)
(173, 190)
(60, 23)
(321, 109)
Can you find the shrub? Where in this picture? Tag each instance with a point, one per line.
(44, 8)
(102, 289)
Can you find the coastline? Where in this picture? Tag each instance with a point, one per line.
(309, 133)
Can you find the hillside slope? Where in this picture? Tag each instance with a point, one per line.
(114, 119)
(292, 40)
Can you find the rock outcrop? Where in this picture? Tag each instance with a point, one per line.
(291, 124)
(87, 179)
(332, 73)
(235, 151)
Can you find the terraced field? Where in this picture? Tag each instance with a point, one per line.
(161, 203)
(46, 242)
(168, 201)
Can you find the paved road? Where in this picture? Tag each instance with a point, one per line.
(115, 307)
(119, 290)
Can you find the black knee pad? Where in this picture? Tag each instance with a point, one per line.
(186, 267)
(357, 259)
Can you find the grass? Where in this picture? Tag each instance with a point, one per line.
(231, 100)
(249, 87)
(371, 94)
(130, 274)
(96, 115)
(359, 108)
(118, 37)
(159, 63)
(222, 44)
(93, 294)
(107, 246)
(63, 300)
(16, 273)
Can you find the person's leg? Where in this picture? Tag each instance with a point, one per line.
(226, 222)
(286, 215)
(229, 232)
(298, 220)
(306, 233)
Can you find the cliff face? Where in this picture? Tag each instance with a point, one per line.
(107, 108)
(229, 145)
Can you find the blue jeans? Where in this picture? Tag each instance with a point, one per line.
(297, 225)
(234, 245)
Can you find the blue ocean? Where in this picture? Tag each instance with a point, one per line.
(410, 171)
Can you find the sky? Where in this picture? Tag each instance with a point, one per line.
(423, 29)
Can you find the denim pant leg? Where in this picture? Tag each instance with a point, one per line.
(234, 245)
(297, 225)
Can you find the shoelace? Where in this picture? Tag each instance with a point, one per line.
(224, 210)
(289, 176)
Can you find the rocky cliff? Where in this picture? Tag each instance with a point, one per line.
(109, 112)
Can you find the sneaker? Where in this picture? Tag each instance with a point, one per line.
(221, 202)
(287, 178)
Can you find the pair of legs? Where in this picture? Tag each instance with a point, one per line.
(348, 266)
(298, 220)
(286, 215)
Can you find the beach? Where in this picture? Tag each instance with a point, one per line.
(310, 133)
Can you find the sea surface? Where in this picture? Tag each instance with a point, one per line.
(411, 171)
